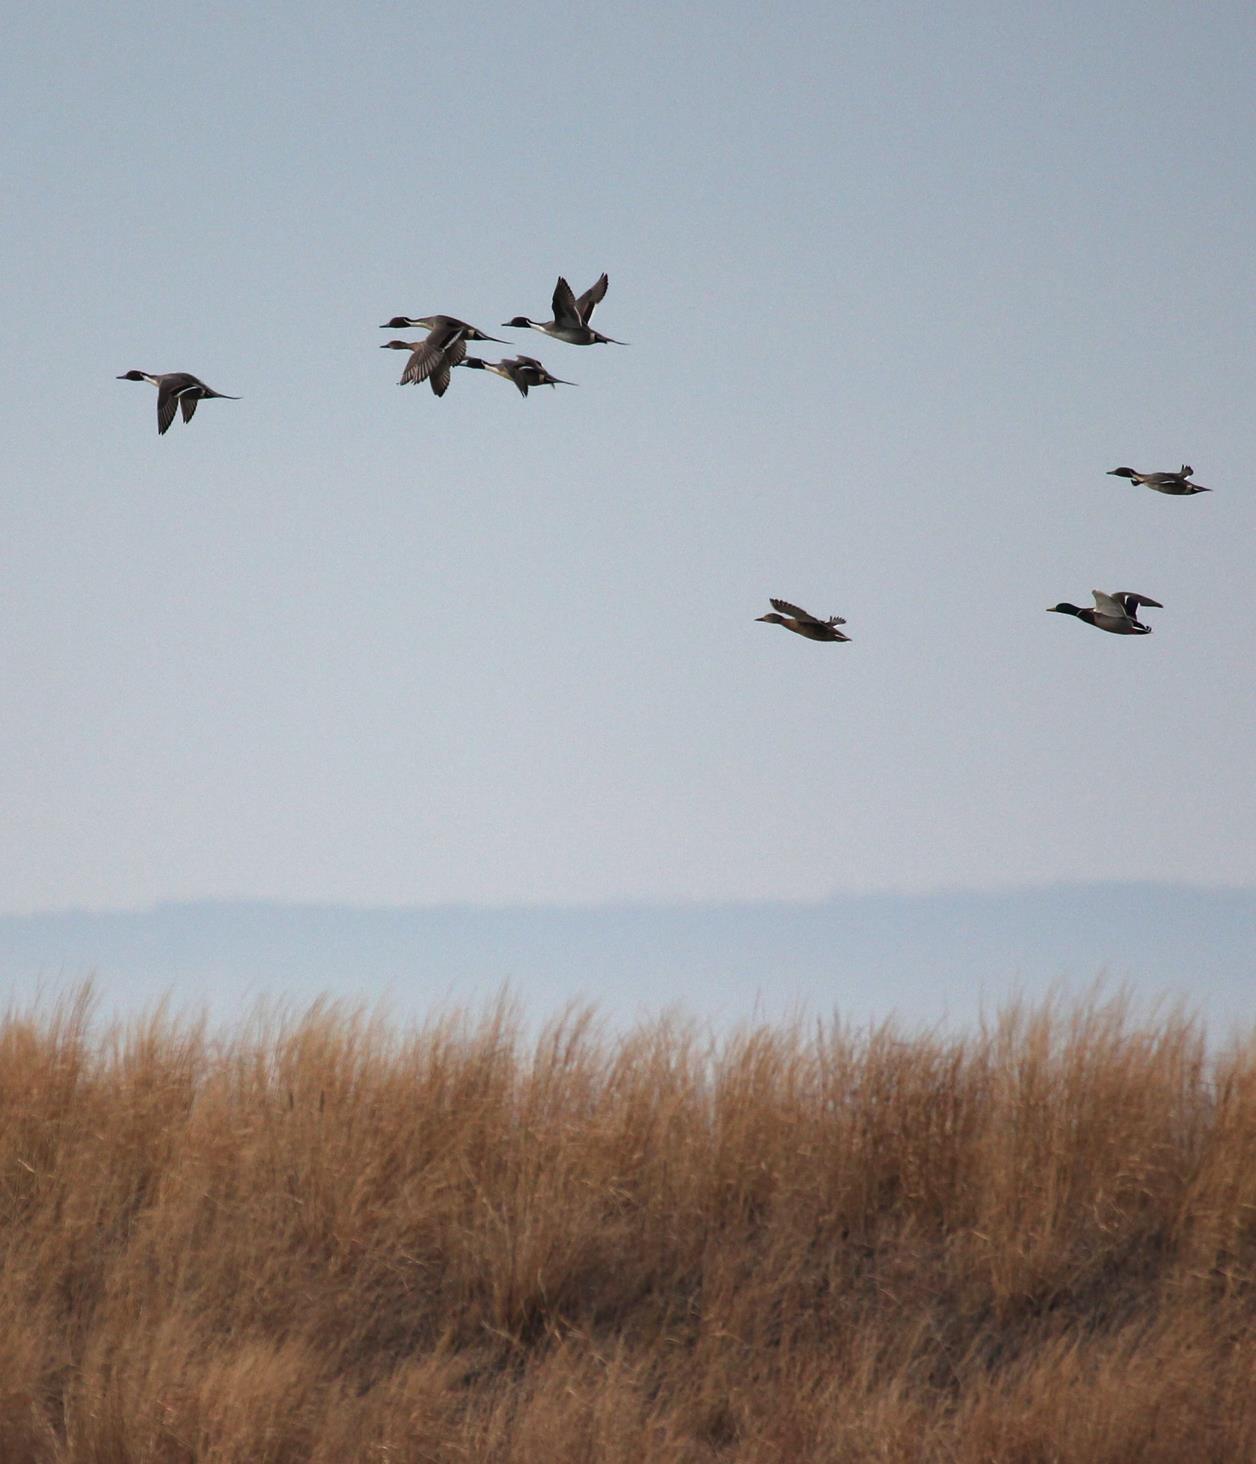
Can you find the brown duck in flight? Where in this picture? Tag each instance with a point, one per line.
(434, 357)
(792, 618)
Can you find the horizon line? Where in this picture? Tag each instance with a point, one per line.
(624, 904)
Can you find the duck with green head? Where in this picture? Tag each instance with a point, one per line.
(1115, 613)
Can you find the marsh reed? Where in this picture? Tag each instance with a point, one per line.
(321, 1239)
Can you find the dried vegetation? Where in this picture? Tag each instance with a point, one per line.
(318, 1240)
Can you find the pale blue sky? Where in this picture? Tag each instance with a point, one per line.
(901, 283)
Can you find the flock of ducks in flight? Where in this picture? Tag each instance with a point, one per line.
(444, 347)
(433, 358)
(1115, 611)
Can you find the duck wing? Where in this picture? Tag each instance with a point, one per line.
(424, 360)
(592, 297)
(453, 355)
(566, 311)
(1130, 602)
(444, 341)
(167, 405)
(1112, 605)
(187, 402)
(799, 614)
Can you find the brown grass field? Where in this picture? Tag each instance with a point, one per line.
(319, 1239)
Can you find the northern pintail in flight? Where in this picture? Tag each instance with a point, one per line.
(1174, 483)
(176, 389)
(571, 316)
(434, 322)
(524, 371)
(442, 349)
(1116, 612)
(792, 618)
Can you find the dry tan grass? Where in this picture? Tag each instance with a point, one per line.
(321, 1241)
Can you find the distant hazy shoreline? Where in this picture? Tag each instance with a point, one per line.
(924, 957)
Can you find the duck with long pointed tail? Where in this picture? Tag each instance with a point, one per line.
(433, 358)
(1174, 483)
(524, 371)
(571, 316)
(176, 389)
(801, 623)
(1116, 612)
